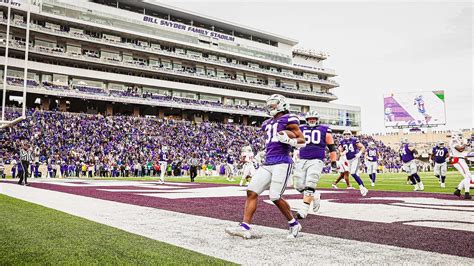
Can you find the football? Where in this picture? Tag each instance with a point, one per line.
(289, 133)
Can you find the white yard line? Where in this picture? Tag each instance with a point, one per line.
(206, 235)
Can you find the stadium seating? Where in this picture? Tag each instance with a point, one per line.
(88, 55)
(119, 140)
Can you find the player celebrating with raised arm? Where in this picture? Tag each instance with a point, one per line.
(310, 166)
(407, 155)
(282, 133)
(353, 149)
(439, 156)
(458, 150)
(372, 156)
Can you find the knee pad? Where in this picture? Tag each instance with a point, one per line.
(298, 183)
(312, 181)
(309, 191)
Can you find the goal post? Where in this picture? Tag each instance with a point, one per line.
(4, 122)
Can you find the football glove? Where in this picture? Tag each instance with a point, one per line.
(283, 138)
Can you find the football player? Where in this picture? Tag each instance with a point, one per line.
(389, 116)
(343, 170)
(229, 167)
(439, 155)
(372, 156)
(163, 163)
(310, 165)
(420, 104)
(353, 150)
(276, 169)
(407, 155)
(248, 168)
(458, 150)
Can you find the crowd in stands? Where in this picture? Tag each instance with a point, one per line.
(84, 144)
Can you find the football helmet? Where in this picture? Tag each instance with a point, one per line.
(440, 144)
(372, 144)
(312, 114)
(456, 135)
(277, 103)
(404, 140)
(347, 134)
(246, 149)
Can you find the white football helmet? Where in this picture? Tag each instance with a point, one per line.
(388, 111)
(312, 114)
(456, 135)
(247, 149)
(372, 144)
(347, 134)
(277, 103)
(440, 144)
(404, 140)
(164, 149)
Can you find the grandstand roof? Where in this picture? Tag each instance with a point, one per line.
(153, 4)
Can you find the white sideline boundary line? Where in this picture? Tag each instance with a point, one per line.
(206, 235)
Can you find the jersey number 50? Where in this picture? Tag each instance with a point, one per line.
(312, 136)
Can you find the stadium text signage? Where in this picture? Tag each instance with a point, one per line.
(183, 27)
(15, 4)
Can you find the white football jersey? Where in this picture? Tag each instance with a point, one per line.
(455, 153)
(260, 157)
(248, 156)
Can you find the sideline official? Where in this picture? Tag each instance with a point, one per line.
(26, 156)
(193, 169)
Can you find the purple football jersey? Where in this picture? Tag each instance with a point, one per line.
(350, 145)
(406, 154)
(372, 154)
(315, 142)
(163, 157)
(230, 159)
(440, 154)
(277, 152)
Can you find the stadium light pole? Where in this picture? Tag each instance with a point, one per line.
(25, 75)
(5, 67)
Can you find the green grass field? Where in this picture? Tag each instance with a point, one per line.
(387, 181)
(32, 234)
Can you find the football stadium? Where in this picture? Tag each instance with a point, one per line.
(138, 132)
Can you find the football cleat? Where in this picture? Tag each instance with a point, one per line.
(350, 188)
(334, 186)
(467, 196)
(316, 202)
(457, 192)
(241, 231)
(417, 187)
(443, 185)
(363, 191)
(294, 230)
(372, 184)
(301, 214)
(421, 186)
